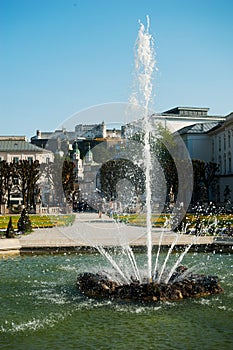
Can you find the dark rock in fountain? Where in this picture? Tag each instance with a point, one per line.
(190, 286)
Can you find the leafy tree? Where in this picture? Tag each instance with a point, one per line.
(101, 152)
(204, 175)
(68, 178)
(7, 175)
(161, 142)
(3, 182)
(28, 175)
(114, 170)
(161, 145)
(60, 177)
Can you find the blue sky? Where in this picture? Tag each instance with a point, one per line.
(62, 56)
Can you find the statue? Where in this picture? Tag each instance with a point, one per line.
(171, 196)
(38, 196)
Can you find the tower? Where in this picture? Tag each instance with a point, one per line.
(78, 170)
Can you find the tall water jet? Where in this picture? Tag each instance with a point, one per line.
(177, 282)
(144, 67)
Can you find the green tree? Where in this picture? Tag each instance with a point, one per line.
(204, 175)
(8, 173)
(28, 175)
(68, 178)
(60, 178)
(102, 152)
(114, 170)
(3, 181)
(24, 223)
(10, 233)
(162, 141)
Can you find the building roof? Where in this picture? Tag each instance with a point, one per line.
(47, 135)
(199, 128)
(17, 144)
(187, 110)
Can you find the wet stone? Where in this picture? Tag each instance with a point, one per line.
(192, 286)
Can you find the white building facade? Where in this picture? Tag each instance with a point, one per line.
(222, 152)
(14, 149)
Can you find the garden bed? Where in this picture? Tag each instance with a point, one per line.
(206, 224)
(38, 221)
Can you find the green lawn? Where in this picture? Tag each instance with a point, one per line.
(39, 221)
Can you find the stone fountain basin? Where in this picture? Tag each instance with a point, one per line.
(192, 286)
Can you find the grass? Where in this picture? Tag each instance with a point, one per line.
(211, 222)
(39, 221)
(157, 220)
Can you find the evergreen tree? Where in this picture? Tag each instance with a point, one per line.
(24, 223)
(10, 229)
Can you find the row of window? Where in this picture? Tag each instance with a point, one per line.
(226, 140)
(30, 159)
(16, 159)
(193, 113)
(226, 167)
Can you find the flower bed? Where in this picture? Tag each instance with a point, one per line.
(208, 224)
(39, 221)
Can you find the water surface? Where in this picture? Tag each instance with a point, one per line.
(41, 308)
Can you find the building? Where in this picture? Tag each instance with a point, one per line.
(176, 118)
(60, 140)
(14, 149)
(222, 151)
(180, 117)
(198, 140)
(207, 137)
(91, 131)
(55, 141)
(213, 142)
(88, 183)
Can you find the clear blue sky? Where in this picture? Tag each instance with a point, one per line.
(61, 56)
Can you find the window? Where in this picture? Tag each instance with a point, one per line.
(15, 180)
(224, 141)
(212, 150)
(229, 163)
(229, 139)
(15, 159)
(30, 160)
(213, 147)
(219, 143)
(220, 164)
(225, 164)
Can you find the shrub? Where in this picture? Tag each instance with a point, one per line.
(10, 233)
(24, 223)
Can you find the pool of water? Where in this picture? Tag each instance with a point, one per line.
(41, 308)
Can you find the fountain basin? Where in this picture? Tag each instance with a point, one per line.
(192, 286)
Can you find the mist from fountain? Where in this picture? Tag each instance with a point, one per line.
(141, 154)
(144, 67)
(142, 98)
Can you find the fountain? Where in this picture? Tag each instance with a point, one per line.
(159, 283)
(41, 306)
